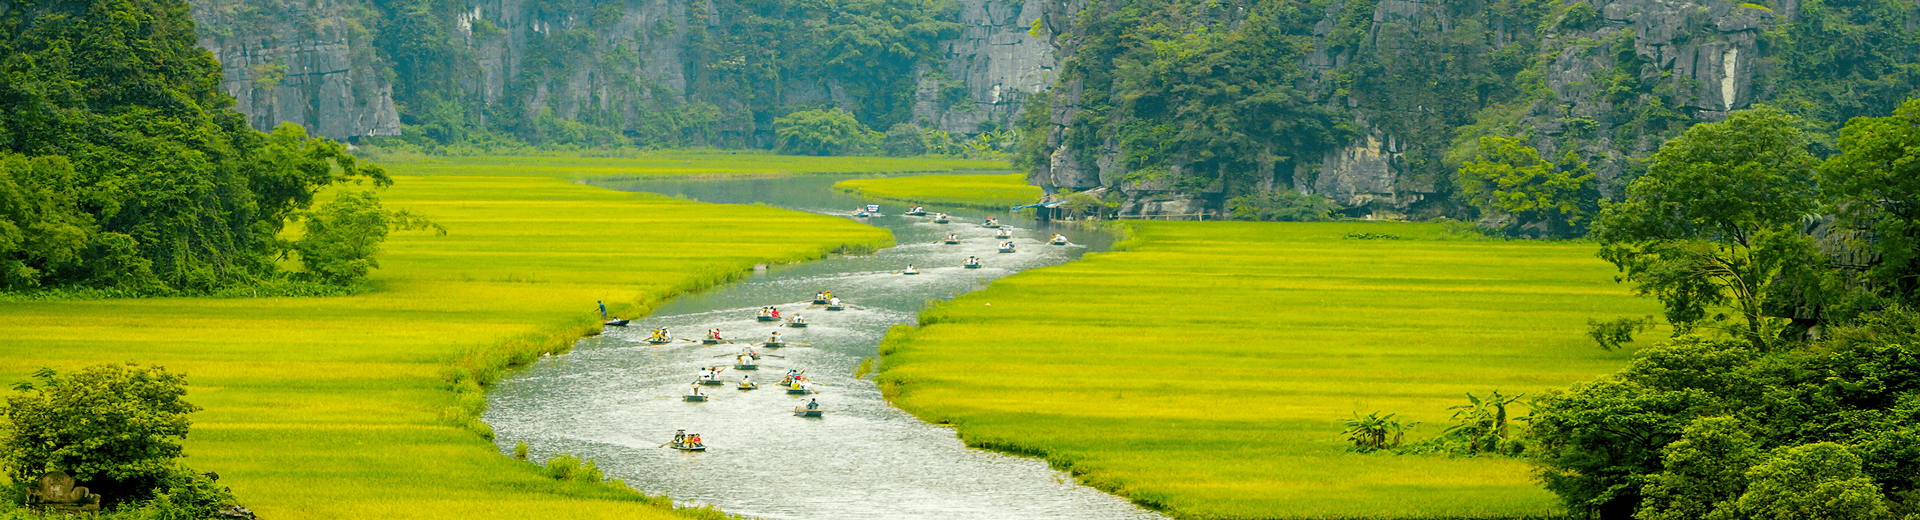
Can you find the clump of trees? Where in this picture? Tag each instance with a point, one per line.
(124, 169)
(117, 430)
(1792, 386)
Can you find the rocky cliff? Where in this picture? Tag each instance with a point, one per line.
(1409, 84)
(655, 72)
(306, 62)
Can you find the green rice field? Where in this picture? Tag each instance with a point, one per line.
(361, 406)
(1206, 368)
(675, 163)
(974, 191)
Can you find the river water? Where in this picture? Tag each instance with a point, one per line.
(615, 399)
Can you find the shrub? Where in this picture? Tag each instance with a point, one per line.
(823, 132)
(115, 428)
(1282, 205)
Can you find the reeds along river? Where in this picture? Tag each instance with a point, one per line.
(615, 398)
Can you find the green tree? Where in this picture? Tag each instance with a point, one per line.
(1704, 472)
(1509, 177)
(823, 132)
(1814, 481)
(343, 235)
(117, 428)
(1283, 205)
(1875, 179)
(41, 225)
(1714, 222)
(906, 140)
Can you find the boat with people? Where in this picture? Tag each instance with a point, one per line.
(820, 298)
(796, 383)
(970, 263)
(768, 313)
(748, 385)
(991, 223)
(910, 270)
(774, 341)
(660, 336)
(862, 214)
(916, 211)
(685, 442)
(1006, 247)
(797, 322)
(616, 323)
(709, 376)
(1058, 240)
(695, 396)
(811, 409)
(833, 304)
(941, 218)
(713, 337)
(1003, 234)
(953, 239)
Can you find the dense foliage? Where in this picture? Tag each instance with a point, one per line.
(1509, 177)
(123, 167)
(1715, 429)
(116, 428)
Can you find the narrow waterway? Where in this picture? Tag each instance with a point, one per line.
(615, 398)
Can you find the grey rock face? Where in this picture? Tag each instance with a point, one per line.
(307, 64)
(996, 60)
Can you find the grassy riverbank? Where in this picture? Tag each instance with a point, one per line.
(673, 163)
(324, 408)
(1207, 368)
(993, 192)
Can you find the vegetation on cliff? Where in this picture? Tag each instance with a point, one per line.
(123, 168)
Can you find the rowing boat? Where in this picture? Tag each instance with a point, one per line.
(746, 367)
(836, 308)
(798, 324)
(660, 341)
(712, 382)
(688, 447)
(802, 411)
(749, 386)
(766, 318)
(616, 323)
(694, 398)
(709, 342)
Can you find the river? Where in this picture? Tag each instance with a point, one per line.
(615, 399)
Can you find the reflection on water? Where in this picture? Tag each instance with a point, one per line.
(615, 398)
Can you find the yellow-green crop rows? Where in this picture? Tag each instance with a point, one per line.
(332, 408)
(975, 191)
(1206, 369)
(676, 163)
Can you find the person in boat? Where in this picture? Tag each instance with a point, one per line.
(746, 381)
(833, 302)
(829, 295)
(820, 295)
(696, 389)
(776, 313)
(953, 236)
(774, 338)
(798, 319)
(910, 270)
(679, 436)
(713, 334)
(694, 441)
(658, 335)
(813, 404)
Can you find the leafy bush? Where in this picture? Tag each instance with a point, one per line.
(823, 132)
(1375, 432)
(905, 140)
(343, 235)
(116, 428)
(1282, 205)
(1611, 334)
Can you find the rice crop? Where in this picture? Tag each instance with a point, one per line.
(362, 406)
(983, 191)
(1205, 369)
(673, 163)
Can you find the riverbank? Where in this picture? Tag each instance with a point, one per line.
(322, 408)
(1206, 368)
(985, 191)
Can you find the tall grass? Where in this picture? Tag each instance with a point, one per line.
(364, 406)
(1206, 368)
(994, 192)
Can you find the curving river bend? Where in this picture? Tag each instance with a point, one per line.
(615, 399)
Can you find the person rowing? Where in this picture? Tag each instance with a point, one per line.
(971, 260)
(798, 320)
(813, 404)
(774, 338)
(659, 335)
(833, 302)
(910, 270)
(713, 334)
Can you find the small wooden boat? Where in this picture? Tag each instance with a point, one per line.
(972, 266)
(694, 398)
(1006, 250)
(836, 307)
(688, 447)
(953, 242)
(802, 411)
(616, 323)
(749, 386)
(942, 221)
(711, 341)
(910, 272)
(990, 225)
(1058, 241)
(746, 367)
(916, 213)
(712, 382)
(661, 341)
(766, 318)
(819, 302)
(774, 344)
(798, 324)
(1003, 234)
(799, 391)
(862, 214)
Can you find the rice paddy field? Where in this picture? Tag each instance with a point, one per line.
(974, 191)
(347, 407)
(1206, 368)
(675, 163)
